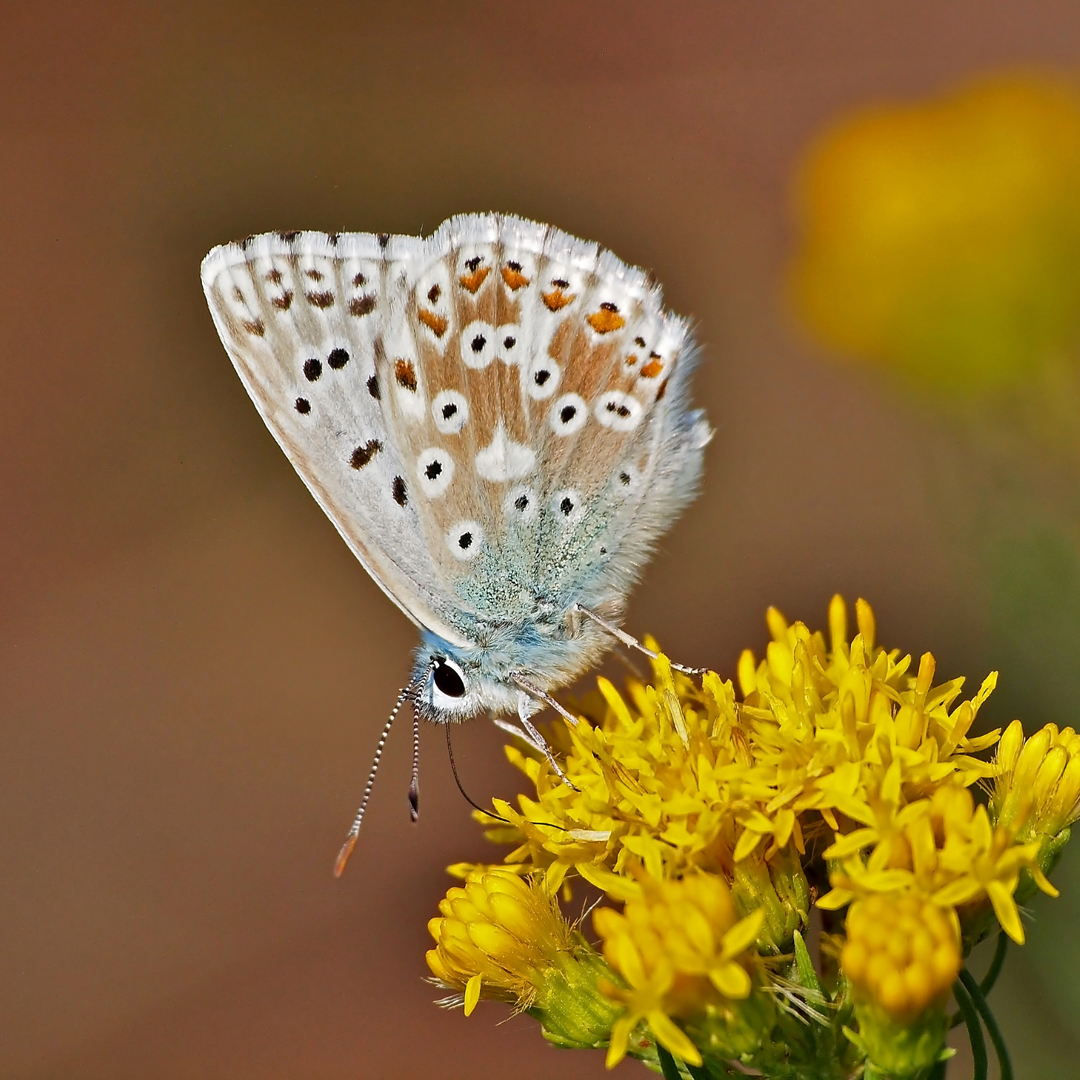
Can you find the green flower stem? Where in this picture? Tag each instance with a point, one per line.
(991, 976)
(938, 1071)
(971, 1018)
(979, 1000)
(994, 970)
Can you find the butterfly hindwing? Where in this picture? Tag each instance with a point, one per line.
(494, 418)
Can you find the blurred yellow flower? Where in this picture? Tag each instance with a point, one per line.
(942, 239)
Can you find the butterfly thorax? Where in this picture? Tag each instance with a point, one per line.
(551, 650)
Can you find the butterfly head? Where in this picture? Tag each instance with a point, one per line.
(451, 685)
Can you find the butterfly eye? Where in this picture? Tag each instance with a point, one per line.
(448, 679)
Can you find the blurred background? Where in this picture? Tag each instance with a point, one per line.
(871, 210)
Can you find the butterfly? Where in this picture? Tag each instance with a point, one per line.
(496, 419)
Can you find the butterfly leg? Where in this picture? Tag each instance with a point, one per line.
(632, 642)
(527, 693)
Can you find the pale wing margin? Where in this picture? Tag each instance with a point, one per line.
(281, 301)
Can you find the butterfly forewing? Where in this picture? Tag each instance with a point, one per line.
(302, 318)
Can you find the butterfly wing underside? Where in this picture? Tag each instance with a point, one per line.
(494, 418)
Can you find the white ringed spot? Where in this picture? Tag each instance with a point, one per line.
(542, 378)
(618, 411)
(465, 539)
(520, 504)
(568, 414)
(478, 344)
(568, 506)
(434, 471)
(508, 343)
(450, 410)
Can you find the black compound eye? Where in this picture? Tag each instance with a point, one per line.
(448, 680)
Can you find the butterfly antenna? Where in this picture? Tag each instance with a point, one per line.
(414, 785)
(354, 832)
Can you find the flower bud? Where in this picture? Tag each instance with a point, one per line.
(503, 937)
(901, 957)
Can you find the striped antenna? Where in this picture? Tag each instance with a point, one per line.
(354, 831)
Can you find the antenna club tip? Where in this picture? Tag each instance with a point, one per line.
(343, 856)
(414, 804)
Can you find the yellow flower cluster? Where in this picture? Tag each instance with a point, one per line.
(839, 771)
(680, 947)
(901, 951)
(845, 738)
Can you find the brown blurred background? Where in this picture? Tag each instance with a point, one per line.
(194, 669)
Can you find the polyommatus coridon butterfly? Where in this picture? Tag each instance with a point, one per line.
(496, 419)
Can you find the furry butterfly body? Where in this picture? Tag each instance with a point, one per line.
(496, 419)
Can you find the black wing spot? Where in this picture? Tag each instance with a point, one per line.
(359, 280)
(620, 410)
(361, 305)
(401, 494)
(568, 413)
(433, 469)
(373, 387)
(509, 342)
(315, 275)
(312, 369)
(465, 541)
(384, 239)
(639, 342)
(567, 506)
(478, 343)
(288, 237)
(448, 410)
(363, 454)
(607, 305)
(515, 266)
(337, 359)
(560, 283)
(541, 376)
(473, 264)
(434, 293)
(522, 502)
(303, 406)
(624, 477)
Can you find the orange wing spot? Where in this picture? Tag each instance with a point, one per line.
(435, 323)
(405, 374)
(652, 369)
(473, 281)
(557, 299)
(631, 360)
(514, 279)
(605, 320)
